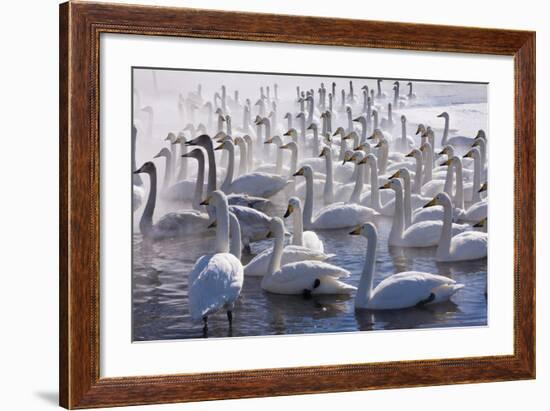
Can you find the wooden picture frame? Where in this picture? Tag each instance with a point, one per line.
(80, 27)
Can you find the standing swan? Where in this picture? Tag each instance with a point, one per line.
(401, 290)
(215, 282)
(303, 277)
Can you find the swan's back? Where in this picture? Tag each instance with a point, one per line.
(175, 224)
(214, 283)
(409, 288)
(258, 184)
(468, 245)
(258, 266)
(340, 215)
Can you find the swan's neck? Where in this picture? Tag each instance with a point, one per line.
(476, 195)
(404, 134)
(197, 198)
(242, 158)
(359, 182)
(228, 125)
(410, 90)
(379, 87)
(276, 255)
(407, 207)
(343, 148)
(374, 194)
(222, 228)
(417, 176)
(230, 168)
(375, 117)
(383, 159)
(298, 221)
(328, 194)
(279, 161)
(445, 133)
(448, 187)
(211, 187)
(182, 175)
(167, 171)
(289, 122)
(220, 123)
(459, 194)
(428, 164)
(397, 225)
(146, 222)
(250, 155)
(315, 146)
(308, 205)
(444, 245)
(293, 161)
(235, 245)
(350, 121)
(136, 178)
(310, 111)
(363, 122)
(364, 291)
(302, 129)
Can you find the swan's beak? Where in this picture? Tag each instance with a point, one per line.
(287, 133)
(206, 201)
(283, 146)
(139, 170)
(483, 188)
(310, 127)
(476, 142)
(269, 235)
(300, 172)
(480, 223)
(397, 174)
(357, 119)
(433, 202)
(385, 186)
(219, 147)
(269, 141)
(444, 151)
(363, 161)
(356, 231)
(158, 155)
(441, 115)
(289, 211)
(467, 155)
(411, 154)
(418, 129)
(213, 224)
(446, 163)
(378, 145)
(322, 153)
(177, 141)
(371, 137)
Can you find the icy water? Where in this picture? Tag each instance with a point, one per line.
(160, 292)
(160, 270)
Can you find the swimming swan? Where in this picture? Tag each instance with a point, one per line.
(401, 290)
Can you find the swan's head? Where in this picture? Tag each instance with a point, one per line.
(409, 83)
(239, 141)
(148, 167)
(348, 109)
(203, 140)
(483, 188)
(312, 126)
(425, 146)
(170, 137)
(294, 203)
(421, 129)
(339, 130)
(195, 153)
(325, 152)
(291, 132)
(472, 153)
(350, 136)
(395, 184)
(448, 162)
(163, 153)
(389, 106)
(219, 112)
(304, 171)
(481, 134)
(403, 119)
(260, 102)
(415, 153)
(247, 138)
(365, 87)
(217, 198)
(289, 146)
(301, 114)
(358, 119)
(379, 80)
(220, 136)
(481, 223)
(367, 230)
(225, 145)
(441, 199)
(276, 228)
(396, 83)
(357, 157)
(365, 147)
(443, 115)
(381, 143)
(448, 150)
(348, 155)
(189, 127)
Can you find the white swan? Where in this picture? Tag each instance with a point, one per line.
(459, 142)
(255, 184)
(477, 211)
(216, 281)
(401, 290)
(422, 234)
(307, 239)
(303, 277)
(469, 245)
(172, 224)
(138, 191)
(334, 216)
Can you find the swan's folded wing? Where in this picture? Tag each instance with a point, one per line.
(258, 184)
(309, 271)
(469, 245)
(408, 289)
(217, 285)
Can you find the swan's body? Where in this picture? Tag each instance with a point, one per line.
(401, 290)
(215, 282)
(308, 239)
(304, 277)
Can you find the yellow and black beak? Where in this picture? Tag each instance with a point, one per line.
(397, 174)
(385, 186)
(268, 141)
(363, 161)
(269, 235)
(206, 201)
(371, 137)
(446, 163)
(219, 147)
(356, 231)
(300, 172)
(289, 211)
(480, 223)
(411, 154)
(213, 224)
(284, 146)
(287, 133)
(378, 145)
(467, 155)
(483, 188)
(431, 203)
(444, 151)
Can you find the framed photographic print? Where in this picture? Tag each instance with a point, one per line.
(258, 205)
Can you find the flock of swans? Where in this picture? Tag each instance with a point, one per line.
(336, 162)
